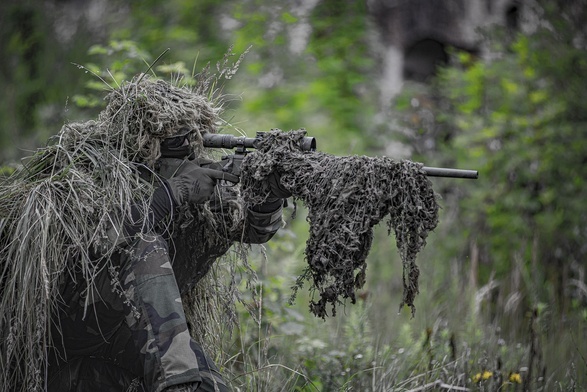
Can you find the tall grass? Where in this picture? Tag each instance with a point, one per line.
(457, 341)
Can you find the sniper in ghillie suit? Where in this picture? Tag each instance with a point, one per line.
(82, 219)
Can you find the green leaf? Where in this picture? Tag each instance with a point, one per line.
(288, 18)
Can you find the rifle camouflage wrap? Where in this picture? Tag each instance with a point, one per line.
(346, 198)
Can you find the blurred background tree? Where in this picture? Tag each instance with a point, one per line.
(503, 283)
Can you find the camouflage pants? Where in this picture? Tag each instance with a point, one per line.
(133, 335)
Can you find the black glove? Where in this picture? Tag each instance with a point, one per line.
(278, 191)
(195, 184)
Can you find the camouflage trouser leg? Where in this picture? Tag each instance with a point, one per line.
(156, 318)
(132, 335)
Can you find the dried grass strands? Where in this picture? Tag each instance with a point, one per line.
(153, 110)
(54, 212)
(346, 198)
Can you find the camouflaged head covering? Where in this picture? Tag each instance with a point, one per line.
(148, 111)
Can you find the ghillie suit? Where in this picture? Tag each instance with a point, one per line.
(346, 198)
(56, 213)
(57, 210)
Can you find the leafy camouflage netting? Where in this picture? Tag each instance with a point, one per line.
(346, 197)
(56, 209)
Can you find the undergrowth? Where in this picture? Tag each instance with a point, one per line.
(345, 355)
(448, 346)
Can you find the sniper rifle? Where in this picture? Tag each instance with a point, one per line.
(241, 143)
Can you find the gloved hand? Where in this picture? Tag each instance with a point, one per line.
(223, 195)
(195, 184)
(278, 191)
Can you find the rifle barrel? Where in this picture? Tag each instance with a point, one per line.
(453, 173)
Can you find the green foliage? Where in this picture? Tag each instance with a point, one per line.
(124, 58)
(326, 88)
(520, 121)
(517, 232)
(189, 28)
(34, 74)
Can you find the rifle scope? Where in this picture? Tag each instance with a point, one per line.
(215, 140)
